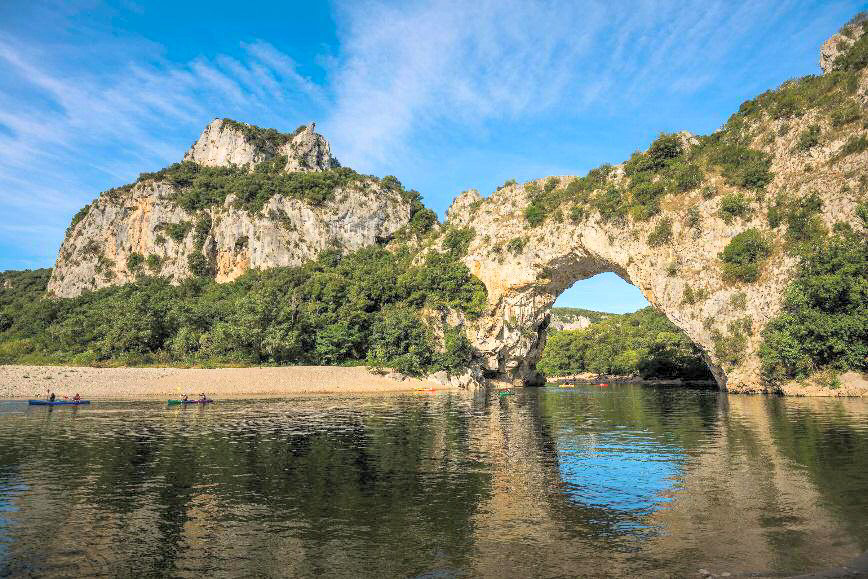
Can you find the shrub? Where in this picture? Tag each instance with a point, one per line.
(422, 221)
(693, 221)
(741, 166)
(609, 204)
(154, 263)
(135, 261)
(809, 138)
(515, 246)
(200, 187)
(853, 145)
(776, 212)
(534, 215)
(202, 229)
(804, 223)
(738, 300)
(856, 57)
(862, 213)
(199, 265)
(729, 349)
(457, 240)
(77, 218)
(687, 176)
(391, 182)
(661, 234)
(645, 197)
(507, 183)
(743, 256)
(691, 296)
(262, 138)
(577, 213)
(732, 206)
(665, 148)
(846, 113)
(178, 231)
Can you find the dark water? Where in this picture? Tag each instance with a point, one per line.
(550, 482)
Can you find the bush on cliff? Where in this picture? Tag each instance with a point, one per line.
(743, 256)
(824, 320)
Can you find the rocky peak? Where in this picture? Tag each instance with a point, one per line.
(459, 211)
(308, 151)
(226, 142)
(222, 143)
(841, 42)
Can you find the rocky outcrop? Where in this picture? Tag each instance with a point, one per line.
(576, 323)
(461, 207)
(142, 228)
(839, 43)
(226, 142)
(526, 265)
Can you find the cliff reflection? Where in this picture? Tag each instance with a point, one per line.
(625, 480)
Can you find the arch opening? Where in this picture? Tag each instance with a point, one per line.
(603, 325)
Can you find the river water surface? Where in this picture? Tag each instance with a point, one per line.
(587, 481)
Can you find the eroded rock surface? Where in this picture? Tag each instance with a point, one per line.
(143, 229)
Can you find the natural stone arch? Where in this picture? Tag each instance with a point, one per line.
(525, 268)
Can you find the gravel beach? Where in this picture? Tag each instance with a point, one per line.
(149, 383)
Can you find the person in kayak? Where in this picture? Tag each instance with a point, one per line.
(202, 397)
(184, 398)
(51, 396)
(76, 398)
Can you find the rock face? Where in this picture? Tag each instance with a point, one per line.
(526, 267)
(578, 323)
(142, 229)
(841, 42)
(225, 142)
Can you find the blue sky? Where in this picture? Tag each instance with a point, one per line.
(447, 95)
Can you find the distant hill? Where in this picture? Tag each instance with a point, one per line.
(571, 314)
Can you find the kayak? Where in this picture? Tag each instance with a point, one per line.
(57, 402)
(175, 402)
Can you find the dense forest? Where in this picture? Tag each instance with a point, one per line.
(643, 343)
(363, 307)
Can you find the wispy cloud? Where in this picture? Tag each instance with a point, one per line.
(88, 109)
(415, 68)
(67, 128)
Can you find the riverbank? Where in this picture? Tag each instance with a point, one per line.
(845, 385)
(591, 378)
(160, 383)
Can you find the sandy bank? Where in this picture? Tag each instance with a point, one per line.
(137, 383)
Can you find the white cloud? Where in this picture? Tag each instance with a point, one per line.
(106, 120)
(92, 108)
(411, 69)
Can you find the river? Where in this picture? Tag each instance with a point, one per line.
(588, 481)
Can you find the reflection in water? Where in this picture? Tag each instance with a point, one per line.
(626, 480)
(626, 471)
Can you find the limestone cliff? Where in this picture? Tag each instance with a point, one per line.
(662, 220)
(243, 198)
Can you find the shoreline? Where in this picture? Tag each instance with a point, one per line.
(25, 382)
(19, 382)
